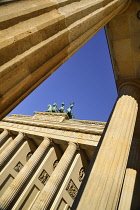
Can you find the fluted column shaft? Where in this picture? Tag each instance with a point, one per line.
(10, 149)
(2, 136)
(106, 176)
(55, 179)
(71, 23)
(128, 187)
(23, 175)
(133, 167)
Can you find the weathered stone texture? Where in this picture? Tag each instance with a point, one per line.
(5, 155)
(106, 177)
(22, 178)
(53, 184)
(38, 37)
(44, 162)
(123, 34)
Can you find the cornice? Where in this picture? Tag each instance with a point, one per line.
(91, 129)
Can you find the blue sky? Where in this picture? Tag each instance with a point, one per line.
(86, 79)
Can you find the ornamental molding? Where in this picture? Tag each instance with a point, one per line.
(49, 116)
(128, 3)
(72, 189)
(87, 122)
(43, 177)
(129, 83)
(20, 115)
(29, 155)
(91, 139)
(55, 164)
(95, 128)
(81, 174)
(18, 167)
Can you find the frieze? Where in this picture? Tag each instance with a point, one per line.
(36, 129)
(31, 128)
(20, 126)
(72, 189)
(44, 176)
(47, 116)
(76, 135)
(97, 130)
(18, 167)
(59, 132)
(86, 122)
(20, 115)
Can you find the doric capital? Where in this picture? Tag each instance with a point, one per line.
(131, 89)
(49, 140)
(22, 135)
(128, 2)
(9, 132)
(6, 131)
(75, 144)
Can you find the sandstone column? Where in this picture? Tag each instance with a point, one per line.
(128, 188)
(23, 175)
(3, 135)
(50, 189)
(57, 30)
(10, 149)
(133, 167)
(103, 187)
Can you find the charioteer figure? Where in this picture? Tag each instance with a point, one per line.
(54, 108)
(49, 108)
(69, 112)
(62, 109)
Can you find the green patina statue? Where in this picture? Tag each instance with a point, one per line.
(54, 109)
(49, 109)
(61, 109)
(69, 112)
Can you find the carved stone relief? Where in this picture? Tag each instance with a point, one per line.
(44, 176)
(72, 189)
(55, 164)
(81, 174)
(18, 167)
(46, 116)
(29, 155)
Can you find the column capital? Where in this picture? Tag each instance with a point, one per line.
(9, 132)
(109, 167)
(130, 88)
(128, 2)
(3, 135)
(22, 134)
(49, 140)
(6, 131)
(75, 144)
